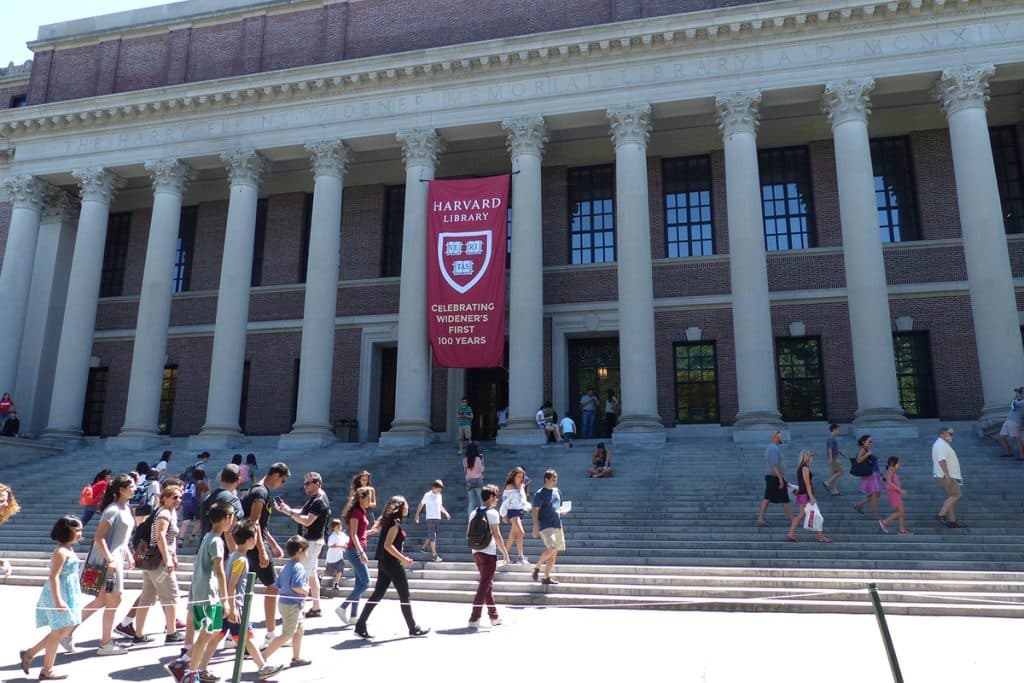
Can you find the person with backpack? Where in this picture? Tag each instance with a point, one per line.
(160, 583)
(227, 492)
(484, 538)
(196, 492)
(92, 494)
(147, 495)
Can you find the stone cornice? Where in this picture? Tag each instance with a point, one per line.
(709, 29)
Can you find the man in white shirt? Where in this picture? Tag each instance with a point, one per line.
(946, 470)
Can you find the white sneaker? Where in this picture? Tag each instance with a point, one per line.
(68, 644)
(437, 558)
(496, 621)
(474, 623)
(267, 639)
(524, 561)
(111, 648)
(268, 671)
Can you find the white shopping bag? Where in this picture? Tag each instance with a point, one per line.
(813, 519)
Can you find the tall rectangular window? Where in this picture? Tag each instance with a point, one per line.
(914, 373)
(115, 254)
(894, 189)
(1009, 176)
(592, 214)
(95, 399)
(307, 229)
(244, 401)
(786, 198)
(689, 221)
(696, 383)
(186, 250)
(258, 243)
(801, 380)
(168, 389)
(394, 223)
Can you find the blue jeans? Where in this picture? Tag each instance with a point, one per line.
(588, 423)
(362, 573)
(87, 514)
(474, 495)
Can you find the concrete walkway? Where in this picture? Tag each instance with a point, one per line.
(572, 644)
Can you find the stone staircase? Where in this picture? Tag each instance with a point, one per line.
(673, 530)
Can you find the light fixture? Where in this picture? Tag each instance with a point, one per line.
(602, 373)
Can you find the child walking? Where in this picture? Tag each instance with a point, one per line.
(432, 501)
(336, 544)
(293, 582)
(244, 535)
(209, 586)
(895, 491)
(60, 604)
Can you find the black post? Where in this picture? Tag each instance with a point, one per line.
(243, 626)
(890, 651)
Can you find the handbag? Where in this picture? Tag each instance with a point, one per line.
(813, 519)
(861, 469)
(93, 578)
(146, 556)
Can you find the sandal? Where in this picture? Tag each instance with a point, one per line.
(956, 525)
(313, 613)
(825, 540)
(26, 661)
(50, 676)
(858, 509)
(791, 539)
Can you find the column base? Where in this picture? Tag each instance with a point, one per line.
(521, 432)
(991, 420)
(216, 437)
(406, 434)
(757, 426)
(135, 440)
(887, 423)
(639, 430)
(67, 437)
(306, 436)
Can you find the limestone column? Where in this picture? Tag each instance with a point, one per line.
(874, 362)
(149, 351)
(313, 411)
(71, 375)
(630, 131)
(26, 194)
(41, 338)
(748, 272)
(411, 426)
(527, 136)
(963, 94)
(245, 169)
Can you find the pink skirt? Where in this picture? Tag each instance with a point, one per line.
(895, 500)
(871, 483)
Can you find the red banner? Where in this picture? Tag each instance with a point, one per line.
(466, 271)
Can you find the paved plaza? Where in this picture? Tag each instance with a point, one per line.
(570, 644)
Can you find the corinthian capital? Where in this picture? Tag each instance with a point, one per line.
(964, 87)
(630, 124)
(738, 112)
(420, 146)
(59, 205)
(330, 158)
(169, 175)
(527, 134)
(26, 192)
(245, 167)
(848, 100)
(98, 184)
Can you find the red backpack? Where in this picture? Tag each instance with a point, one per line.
(85, 498)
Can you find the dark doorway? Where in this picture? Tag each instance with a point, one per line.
(487, 390)
(388, 381)
(593, 364)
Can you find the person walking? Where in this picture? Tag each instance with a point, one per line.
(161, 583)
(774, 480)
(473, 467)
(547, 525)
(312, 520)
(364, 479)
(894, 489)
(8, 508)
(293, 585)
(946, 471)
(1011, 426)
(804, 496)
(110, 550)
(835, 462)
(588, 406)
(464, 424)
(390, 567)
(870, 484)
(487, 560)
(96, 491)
(513, 504)
(433, 503)
(60, 604)
(257, 508)
(354, 516)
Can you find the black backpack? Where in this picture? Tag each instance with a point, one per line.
(478, 534)
(144, 530)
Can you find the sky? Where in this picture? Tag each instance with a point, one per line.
(21, 20)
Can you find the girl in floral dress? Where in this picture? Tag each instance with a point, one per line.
(60, 604)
